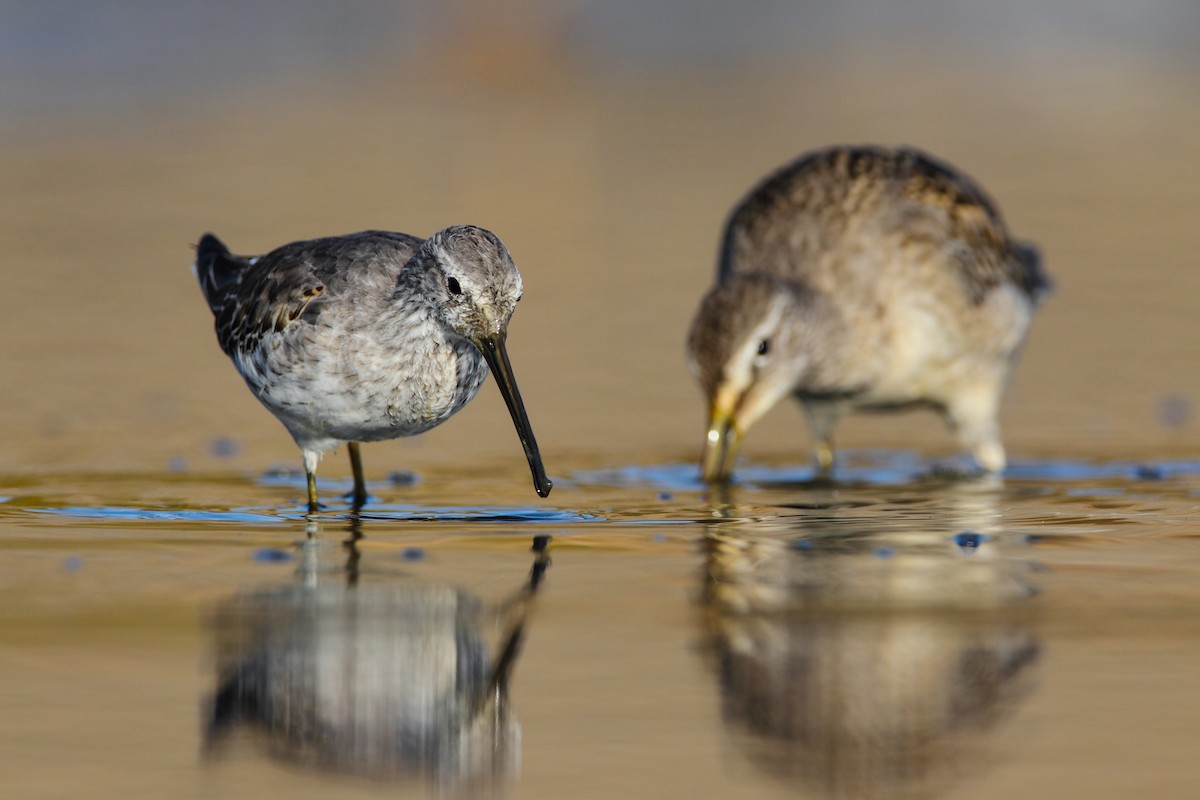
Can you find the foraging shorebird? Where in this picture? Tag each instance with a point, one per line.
(368, 336)
(863, 278)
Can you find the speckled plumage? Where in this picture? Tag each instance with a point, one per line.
(367, 336)
(872, 279)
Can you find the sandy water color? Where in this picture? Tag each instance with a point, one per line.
(171, 625)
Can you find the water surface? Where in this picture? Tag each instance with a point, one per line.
(893, 634)
(172, 626)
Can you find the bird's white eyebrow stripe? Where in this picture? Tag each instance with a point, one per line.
(768, 324)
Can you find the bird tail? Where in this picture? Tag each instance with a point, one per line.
(216, 269)
(1032, 277)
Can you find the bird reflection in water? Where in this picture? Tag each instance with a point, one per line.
(865, 663)
(385, 682)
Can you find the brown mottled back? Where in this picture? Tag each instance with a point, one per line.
(834, 204)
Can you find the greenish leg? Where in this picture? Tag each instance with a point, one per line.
(312, 492)
(824, 453)
(822, 417)
(311, 459)
(359, 498)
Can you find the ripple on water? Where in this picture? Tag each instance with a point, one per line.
(677, 487)
(1070, 470)
(117, 513)
(502, 514)
(685, 477)
(868, 467)
(881, 468)
(385, 512)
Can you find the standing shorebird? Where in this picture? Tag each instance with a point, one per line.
(862, 278)
(368, 336)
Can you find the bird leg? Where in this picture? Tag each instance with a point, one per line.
(973, 419)
(359, 497)
(311, 457)
(988, 452)
(822, 417)
(313, 506)
(824, 456)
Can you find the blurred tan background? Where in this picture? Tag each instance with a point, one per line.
(604, 142)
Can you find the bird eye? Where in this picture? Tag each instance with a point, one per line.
(452, 286)
(764, 347)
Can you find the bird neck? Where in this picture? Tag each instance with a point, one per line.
(826, 338)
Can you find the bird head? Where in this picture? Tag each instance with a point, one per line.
(477, 285)
(748, 348)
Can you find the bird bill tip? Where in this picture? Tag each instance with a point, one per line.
(495, 353)
(720, 448)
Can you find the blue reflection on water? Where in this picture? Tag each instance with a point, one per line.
(519, 514)
(880, 468)
(507, 514)
(1069, 470)
(122, 513)
(272, 555)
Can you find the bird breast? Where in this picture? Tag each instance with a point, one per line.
(363, 386)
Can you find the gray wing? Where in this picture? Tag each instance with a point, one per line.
(251, 297)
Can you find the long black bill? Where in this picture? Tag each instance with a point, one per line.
(496, 355)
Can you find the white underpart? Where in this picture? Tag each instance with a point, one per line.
(951, 369)
(370, 389)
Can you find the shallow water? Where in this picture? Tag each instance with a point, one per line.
(893, 634)
(171, 626)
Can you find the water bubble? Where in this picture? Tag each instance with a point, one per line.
(1148, 472)
(412, 554)
(404, 478)
(969, 540)
(272, 555)
(282, 472)
(1175, 411)
(224, 447)
(72, 563)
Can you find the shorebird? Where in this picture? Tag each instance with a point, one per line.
(368, 336)
(863, 278)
